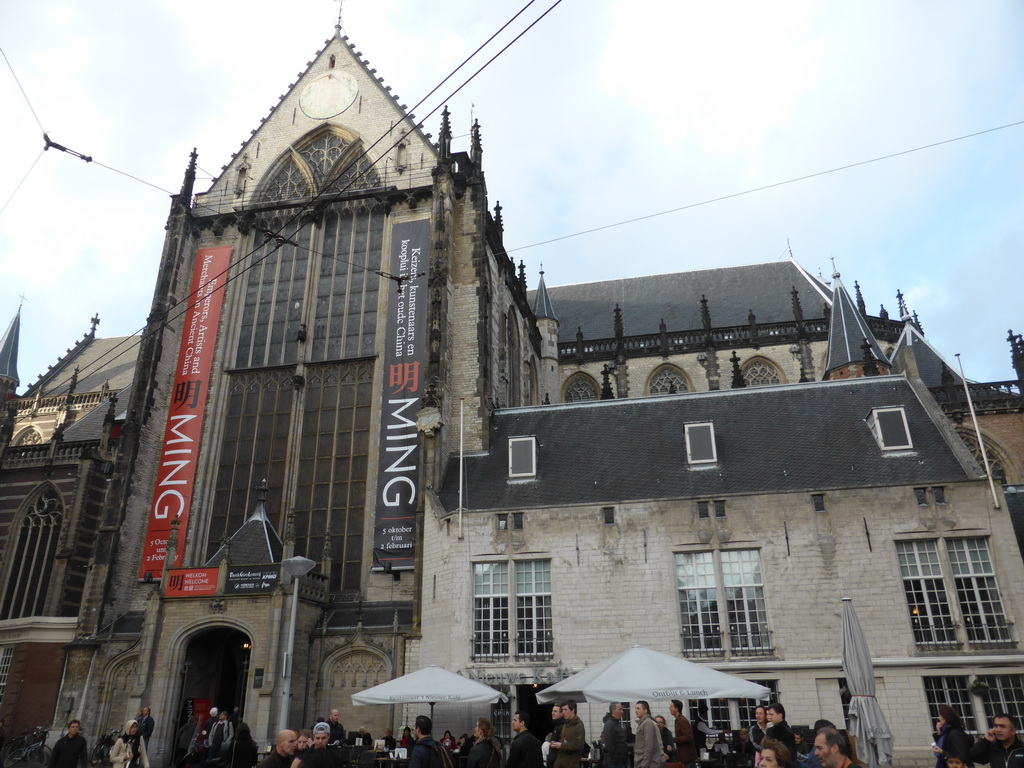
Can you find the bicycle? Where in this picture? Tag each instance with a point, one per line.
(101, 751)
(31, 752)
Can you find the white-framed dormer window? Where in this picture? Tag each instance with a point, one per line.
(700, 444)
(889, 426)
(522, 457)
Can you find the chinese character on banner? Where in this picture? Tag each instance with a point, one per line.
(404, 376)
(186, 393)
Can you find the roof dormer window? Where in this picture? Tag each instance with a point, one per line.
(522, 457)
(700, 444)
(889, 426)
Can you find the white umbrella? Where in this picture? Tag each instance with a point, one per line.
(867, 721)
(640, 673)
(428, 686)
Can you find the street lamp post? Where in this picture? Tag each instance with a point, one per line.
(296, 567)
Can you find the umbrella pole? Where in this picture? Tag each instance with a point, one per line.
(431, 711)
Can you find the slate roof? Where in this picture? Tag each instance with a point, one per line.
(732, 292)
(787, 438)
(90, 426)
(98, 360)
(542, 302)
(255, 543)
(9, 349)
(1014, 496)
(847, 331)
(929, 361)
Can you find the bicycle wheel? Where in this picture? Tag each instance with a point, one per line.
(40, 755)
(15, 758)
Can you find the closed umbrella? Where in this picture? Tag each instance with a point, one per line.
(640, 673)
(867, 721)
(428, 686)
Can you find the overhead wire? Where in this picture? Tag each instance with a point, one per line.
(309, 205)
(763, 187)
(22, 181)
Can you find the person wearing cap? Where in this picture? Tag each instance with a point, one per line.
(320, 756)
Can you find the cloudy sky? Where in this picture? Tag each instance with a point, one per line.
(607, 110)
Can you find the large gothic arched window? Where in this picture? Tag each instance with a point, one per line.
(325, 163)
(29, 578)
(579, 388)
(760, 372)
(996, 462)
(667, 380)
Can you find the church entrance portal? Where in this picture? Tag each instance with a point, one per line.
(215, 675)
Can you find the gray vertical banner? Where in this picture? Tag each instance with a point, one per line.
(398, 461)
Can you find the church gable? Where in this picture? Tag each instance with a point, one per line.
(339, 101)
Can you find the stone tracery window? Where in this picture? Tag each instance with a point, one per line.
(995, 460)
(29, 579)
(580, 387)
(667, 380)
(327, 163)
(760, 373)
(29, 436)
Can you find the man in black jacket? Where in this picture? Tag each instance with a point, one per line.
(284, 751)
(779, 728)
(615, 749)
(524, 752)
(70, 751)
(1000, 747)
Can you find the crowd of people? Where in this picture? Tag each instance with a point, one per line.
(675, 741)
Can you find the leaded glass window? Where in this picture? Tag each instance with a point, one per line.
(951, 690)
(698, 603)
(977, 591)
(925, 591)
(580, 387)
(37, 537)
(1005, 693)
(744, 601)
(759, 373)
(534, 638)
(667, 381)
(490, 610)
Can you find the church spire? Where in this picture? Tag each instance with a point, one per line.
(542, 302)
(848, 331)
(9, 379)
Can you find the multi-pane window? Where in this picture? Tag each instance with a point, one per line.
(33, 553)
(744, 601)
(533, 636)
(533, 609)
(6, 653)
(490, 610)
(747, 706)
(698, 603)
(977, 592)
(1005, 693)
(951, 690)
(581, 387)
(760, 373)
(925, 591)
(667, 381)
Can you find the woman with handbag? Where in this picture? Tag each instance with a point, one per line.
(129, 751)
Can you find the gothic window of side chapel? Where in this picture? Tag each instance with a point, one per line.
(37, 537)
(667, 380)
(579, 388)
(760, 373)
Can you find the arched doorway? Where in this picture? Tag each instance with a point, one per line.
(215, 674)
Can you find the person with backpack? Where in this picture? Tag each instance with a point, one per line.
(486, 751)
(427, 753)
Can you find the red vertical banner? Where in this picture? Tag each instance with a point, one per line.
(172, 497)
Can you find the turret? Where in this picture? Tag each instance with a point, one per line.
(848, 334)
(547, 324)
(9, 359)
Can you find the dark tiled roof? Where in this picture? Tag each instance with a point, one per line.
(732, 293)
(255, 543)
(90, 426)
(542, 302)
(929, 362)
(847, 331)
(99, 361)
(377, 615)
(769, 439)
(9, 349)
(1015, 508)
